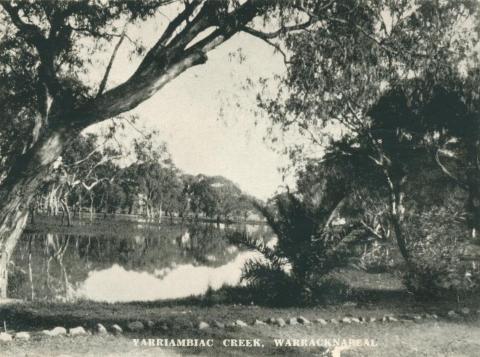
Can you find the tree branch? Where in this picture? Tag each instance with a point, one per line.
(103, 83)
(447, 172)
(280, 31)
(267, 40)
(371, 230)
(31, 33)
(162, 64)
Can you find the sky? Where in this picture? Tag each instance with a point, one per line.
(206, 132)
(205, 116)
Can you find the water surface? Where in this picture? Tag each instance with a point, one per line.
(128, 261)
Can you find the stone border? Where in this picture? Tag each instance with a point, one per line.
(138, 326)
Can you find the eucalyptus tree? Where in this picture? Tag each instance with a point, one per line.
(47, 48)
(361, 89)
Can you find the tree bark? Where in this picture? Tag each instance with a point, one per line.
(397, 215)
(66, 212)
(17, 192)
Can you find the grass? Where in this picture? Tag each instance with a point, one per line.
(444, 337)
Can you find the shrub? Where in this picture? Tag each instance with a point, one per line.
(308, 248)
(438, 243)
(377, 259)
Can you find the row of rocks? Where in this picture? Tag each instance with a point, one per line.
(137, 326)
(345, 320)
(62, 331)
(295, 321)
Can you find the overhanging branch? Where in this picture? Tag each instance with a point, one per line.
(164, 63)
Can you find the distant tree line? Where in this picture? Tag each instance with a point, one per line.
(90, 178)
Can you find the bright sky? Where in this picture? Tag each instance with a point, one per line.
(187, 113)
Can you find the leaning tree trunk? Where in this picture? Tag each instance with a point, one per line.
(17, 192)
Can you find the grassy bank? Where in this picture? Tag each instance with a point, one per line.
(446, 336)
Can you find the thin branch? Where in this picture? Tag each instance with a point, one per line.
(95, 183)
(371, 230)
(103, 83)
(30, 32)
(105, 34)
(276, 46)
(284, 29)
(176, 22)
(447, 172)
(88, 156)
(136, 129)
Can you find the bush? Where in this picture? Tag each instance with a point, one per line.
(377, 259)
(439, 241)
(270, 284)
(308, 248)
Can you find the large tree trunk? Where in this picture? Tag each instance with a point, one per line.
(17, 192)
(397, 213)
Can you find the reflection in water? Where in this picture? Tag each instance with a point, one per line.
(118, 285)
(128, 263)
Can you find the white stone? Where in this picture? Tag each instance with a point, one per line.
(280, 322)
(117, 330)
(346, 320)
(259, 323)
(292, 321)
(135, 326)
(23, 335)
(321, 322)
(57, 331)
(5, 337)
(203, 325)
(356, 320)
(100, 329)
(452, 313)
(241, 323)
(77, 331)
(303, 320)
